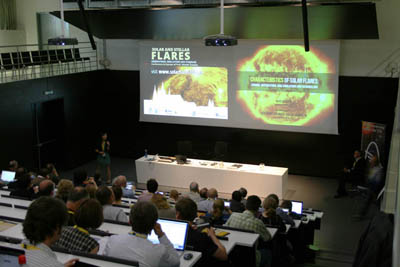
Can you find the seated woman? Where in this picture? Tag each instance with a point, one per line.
(219, 214)
(63, 188)
(269, 216)
(163, 207)
(77, 238)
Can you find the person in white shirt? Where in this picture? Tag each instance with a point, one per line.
(135, 246)
(106, 197)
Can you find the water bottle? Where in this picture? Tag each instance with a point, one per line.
(145, 153)
(22, 260)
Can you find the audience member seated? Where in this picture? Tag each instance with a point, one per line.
(203, 193)
(91, 190)
(248, 221)
(236, 204)
(13, 165)
(355, 174)
(77, 237)
(42, 227)
(106, 197)
(64, 187)
(173, 196)
(243, 191)
(121, 181)
(75, 198)
(53, 174)
(269, 216)
(117, 190)
(152, 187)
(136, 247)
(80, 177)
(219, 214)
(194, 193)
(46, 188)
(24, 188)
(163, 207)
(206, 205)
(287, 205)
(213, 252)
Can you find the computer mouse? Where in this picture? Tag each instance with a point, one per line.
(188, 256)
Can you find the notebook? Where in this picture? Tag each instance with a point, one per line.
(297, 207)
(7, 176)
(175, 230)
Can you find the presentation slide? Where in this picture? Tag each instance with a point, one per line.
(256, 85)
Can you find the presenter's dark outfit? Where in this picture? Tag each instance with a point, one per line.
(104, 160)
(356, 175)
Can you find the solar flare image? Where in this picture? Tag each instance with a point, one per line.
(284, 85)
(200, 85)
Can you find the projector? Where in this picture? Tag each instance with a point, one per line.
(62, 41)
(220, 40)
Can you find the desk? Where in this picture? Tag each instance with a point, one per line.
(13, 212)
(238, 238)
(16, 232)
(226, 179)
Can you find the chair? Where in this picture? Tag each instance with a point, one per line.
(36, 61)
(77, 57)
(27, 61)
(7, 65)
(220, 150)
(44, 60)
(53, 60)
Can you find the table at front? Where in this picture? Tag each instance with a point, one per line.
(260, 181)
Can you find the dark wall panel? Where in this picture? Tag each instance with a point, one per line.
(17, 137)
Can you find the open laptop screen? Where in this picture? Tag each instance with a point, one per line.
(9, 256)
(176, 232)
(297, 207)
(7, 176)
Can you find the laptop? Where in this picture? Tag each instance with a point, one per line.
(227, 204)
(176, 232)
(9, 256)
(297, 207)
(7, 176)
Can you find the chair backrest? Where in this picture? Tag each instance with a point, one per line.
(53, 55)
(44, 56)
(7, 62)
(77, 54)
(60, 54)
(26, 58)
(68, 54)
(36, 59)
(16, 58)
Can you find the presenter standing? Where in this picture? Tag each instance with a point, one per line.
(103, 156)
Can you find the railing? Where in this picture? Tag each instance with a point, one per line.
(22, 62)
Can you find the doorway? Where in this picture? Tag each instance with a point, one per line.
(49, 137)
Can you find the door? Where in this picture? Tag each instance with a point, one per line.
(49, 139)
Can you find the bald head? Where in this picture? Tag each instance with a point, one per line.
(212, 193)
(120, 181)
(46, 188)
(194, 187)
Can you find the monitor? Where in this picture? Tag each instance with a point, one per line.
(7, 176)
(175, 230)
(9, 256)
(297, 207)
(227, 204)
